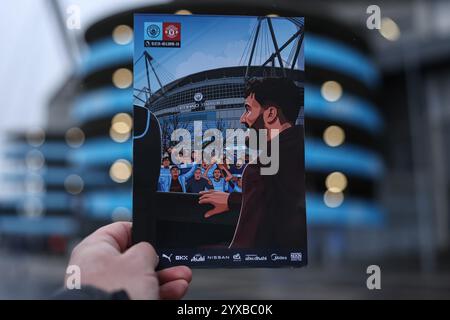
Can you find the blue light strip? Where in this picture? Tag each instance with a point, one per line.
(50, 150)
(101, 151)
(101, 103)
(331, 54)
(105, 53)
(43, 226)
(348, 109)
(51, 200)
(353, 211)
(349, 159)
(55, 176)
(100, 205)
(57, 200)
(319, 51)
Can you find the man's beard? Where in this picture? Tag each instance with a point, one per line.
(257, 125)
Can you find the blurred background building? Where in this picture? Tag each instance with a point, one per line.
(376, 109)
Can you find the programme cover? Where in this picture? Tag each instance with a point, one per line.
(218, 148)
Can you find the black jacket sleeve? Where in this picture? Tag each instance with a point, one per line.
(89, 293)
(235, 201)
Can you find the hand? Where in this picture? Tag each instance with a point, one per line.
(107, 262)
(218, 199)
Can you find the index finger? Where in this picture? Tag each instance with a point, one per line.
(207, 192)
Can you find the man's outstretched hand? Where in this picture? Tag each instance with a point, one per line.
(218, 199)
(107, 261)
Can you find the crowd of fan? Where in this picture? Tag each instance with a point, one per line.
(191, 177)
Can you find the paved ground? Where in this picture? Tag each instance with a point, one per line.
(27, 276)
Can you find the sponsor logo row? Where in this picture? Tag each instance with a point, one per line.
(237, 257)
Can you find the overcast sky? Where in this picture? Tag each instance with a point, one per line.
(33, 62)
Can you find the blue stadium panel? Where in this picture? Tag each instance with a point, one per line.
(318, 157)
(350, 109)
(56, 217)
(320, 51)
(102, 102)
(100, 205)
(42, 226)
(50, 150)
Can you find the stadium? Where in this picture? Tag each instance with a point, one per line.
(341, 115)
(214, 96)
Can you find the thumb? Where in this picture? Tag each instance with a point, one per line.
(145, 251)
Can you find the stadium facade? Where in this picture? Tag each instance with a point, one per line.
(350, 152)
(215, 97)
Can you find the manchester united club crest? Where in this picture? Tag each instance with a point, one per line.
(171, 31)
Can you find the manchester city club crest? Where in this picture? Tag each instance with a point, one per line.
(198, 97)
(153, 31)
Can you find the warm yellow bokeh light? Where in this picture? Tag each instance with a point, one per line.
(183, 12)
(331, 91)
(389, 29)
(123, 118)
(334, 136)
(121, 126)
(122, 34)
(336, 182)
(120, 171)
(119, 137)
(122, 78)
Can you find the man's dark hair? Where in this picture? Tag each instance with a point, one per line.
(165, 158)
(174, 167)
(279, 92)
